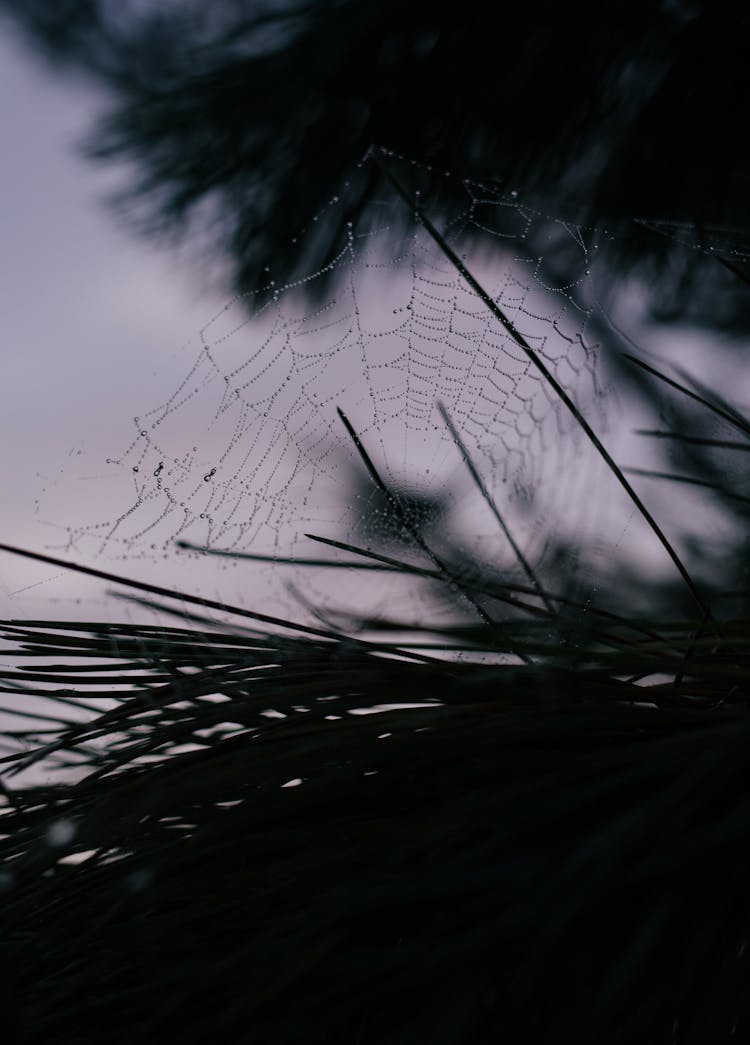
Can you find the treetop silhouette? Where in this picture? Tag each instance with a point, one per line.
(243, 118)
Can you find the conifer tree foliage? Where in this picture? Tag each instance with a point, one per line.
(245, 116)
(526, 824)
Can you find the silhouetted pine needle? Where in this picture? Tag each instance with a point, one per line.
(242, 855)
(530, 830)
(719, 489)
(734, 269)
(533, 831)
(410, 528)
(704, 397)
(719, 444)
(548, 377)
(550, 850)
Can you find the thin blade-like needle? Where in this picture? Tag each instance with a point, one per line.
(551, 380)
(196, 600)
(463, 450)
(406, 522)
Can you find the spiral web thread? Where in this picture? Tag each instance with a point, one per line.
(248, 454)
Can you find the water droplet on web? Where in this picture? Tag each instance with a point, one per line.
(136, 468)
(273, 428)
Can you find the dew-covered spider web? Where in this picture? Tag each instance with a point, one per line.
(247, 453)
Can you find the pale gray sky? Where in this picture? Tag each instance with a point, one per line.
(89, 315)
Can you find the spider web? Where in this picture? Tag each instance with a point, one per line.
(248, 453)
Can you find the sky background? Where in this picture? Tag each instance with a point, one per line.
(90, 315)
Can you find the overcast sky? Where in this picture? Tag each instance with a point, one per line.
(90, 316)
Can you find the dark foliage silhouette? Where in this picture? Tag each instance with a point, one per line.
(553, 846)
(546, 850)
(533, 855)
(244, 118)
